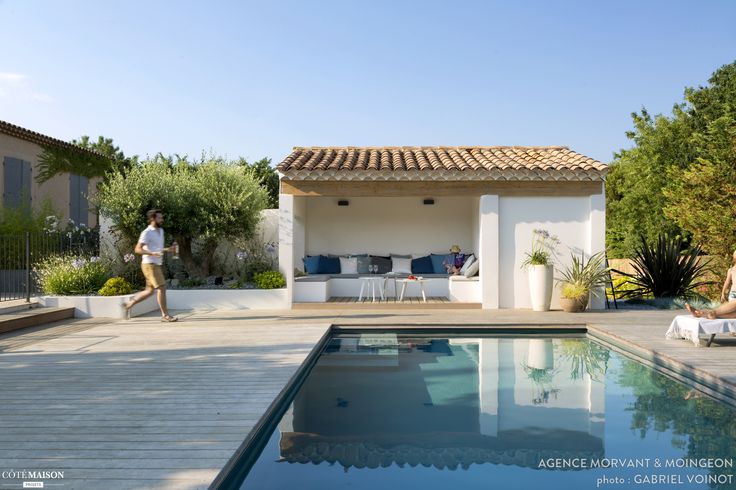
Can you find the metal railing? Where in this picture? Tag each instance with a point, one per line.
(20, 253)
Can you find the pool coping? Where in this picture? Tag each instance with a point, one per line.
(714, 386)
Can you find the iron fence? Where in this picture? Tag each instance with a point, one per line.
(20, 253)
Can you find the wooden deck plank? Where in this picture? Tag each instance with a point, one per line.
(141, 404)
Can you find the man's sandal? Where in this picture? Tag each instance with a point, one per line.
(169, 318)
(127, 306)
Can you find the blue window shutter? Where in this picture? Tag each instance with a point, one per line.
(74, 198)
(83, 201)
(78, 203)
(17, 176)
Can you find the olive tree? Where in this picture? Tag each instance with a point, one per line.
(204, 202)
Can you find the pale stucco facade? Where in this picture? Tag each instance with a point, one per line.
(57, 190)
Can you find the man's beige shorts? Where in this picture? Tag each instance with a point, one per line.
(154, 275)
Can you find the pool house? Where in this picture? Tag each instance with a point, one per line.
(402, 209)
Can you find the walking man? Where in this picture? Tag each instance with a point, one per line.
(151, 246)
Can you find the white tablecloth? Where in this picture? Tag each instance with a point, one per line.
(691, 328)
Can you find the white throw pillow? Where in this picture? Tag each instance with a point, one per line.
(400, 265)
(468, 261)
(348, 265)
(472, 270)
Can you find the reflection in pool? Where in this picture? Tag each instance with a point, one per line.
(381, 410)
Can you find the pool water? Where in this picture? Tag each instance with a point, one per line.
(443, 412)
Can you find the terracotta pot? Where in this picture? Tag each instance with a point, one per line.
(574, 305)
(540, 286)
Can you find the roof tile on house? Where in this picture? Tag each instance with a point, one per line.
(448, 162)
(40, 139)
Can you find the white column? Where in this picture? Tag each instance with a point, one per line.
(488, 370)
(597, 238)
(488, 251)
(286, 242)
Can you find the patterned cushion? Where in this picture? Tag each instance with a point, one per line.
(469, 259)
(363, 263)
(472, 269)
(400, 265)
(383, 263)
(348, 265)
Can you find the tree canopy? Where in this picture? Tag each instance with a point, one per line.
(56, 160)
(204, 201)
(679, 177)
(268, 177)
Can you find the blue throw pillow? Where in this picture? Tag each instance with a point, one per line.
(422, 265)
(438, 261)
(329, 265)
(311, 264)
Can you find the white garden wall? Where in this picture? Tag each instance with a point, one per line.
(566, 217)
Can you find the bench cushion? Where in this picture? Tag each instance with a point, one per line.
(325, 277)
(422, 265)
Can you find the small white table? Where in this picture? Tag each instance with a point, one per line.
(404, 282)
(372, 282)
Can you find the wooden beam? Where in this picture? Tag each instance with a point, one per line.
(315, 188)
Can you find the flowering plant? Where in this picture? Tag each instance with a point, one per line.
(543, 249)
(69, 275)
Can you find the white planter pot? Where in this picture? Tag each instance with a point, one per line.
(541, 354)
(540, 286)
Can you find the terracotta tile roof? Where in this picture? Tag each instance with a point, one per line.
(437, 162)
(40, 139)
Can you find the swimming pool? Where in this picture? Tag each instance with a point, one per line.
(387, 410)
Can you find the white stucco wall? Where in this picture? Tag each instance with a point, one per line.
(566, 217)
(400, 225)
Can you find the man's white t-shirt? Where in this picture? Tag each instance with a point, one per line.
(153, 239)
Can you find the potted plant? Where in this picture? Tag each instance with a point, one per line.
(539, 265)
(579, 279)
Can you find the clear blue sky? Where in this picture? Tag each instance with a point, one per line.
(257, 78)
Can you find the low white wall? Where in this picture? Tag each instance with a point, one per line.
(465, 290)
(227, 299)
(566, 217)
(98, 306)
(400, 225)
(178, 299)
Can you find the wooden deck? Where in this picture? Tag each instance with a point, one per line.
(352, 302)
(143, 404)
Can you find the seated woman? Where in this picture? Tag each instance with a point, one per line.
(728, 297)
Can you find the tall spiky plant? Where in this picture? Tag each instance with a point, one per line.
(664, 270)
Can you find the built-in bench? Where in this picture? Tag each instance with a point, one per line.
(318, 288)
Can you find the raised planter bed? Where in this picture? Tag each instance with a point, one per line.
(177, 299)
(98, 306)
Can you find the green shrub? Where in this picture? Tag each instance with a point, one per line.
(269, 280)
(622, 284)
(15, 221)
(203, 203)
(664, 270)
(116, 286)
(70, 275)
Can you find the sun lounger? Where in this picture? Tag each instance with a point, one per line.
(692, 328)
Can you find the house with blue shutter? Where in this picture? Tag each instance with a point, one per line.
(68, 194)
